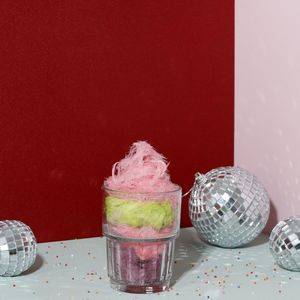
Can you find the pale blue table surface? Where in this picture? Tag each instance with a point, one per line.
(76, 269)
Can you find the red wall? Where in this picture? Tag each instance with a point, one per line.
(81, 80)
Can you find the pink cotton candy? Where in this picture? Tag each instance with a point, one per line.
(147, 250)
(142, 170)
(140, 233)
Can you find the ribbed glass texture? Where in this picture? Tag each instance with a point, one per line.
(131, 272)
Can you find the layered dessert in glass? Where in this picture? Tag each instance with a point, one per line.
(141, 219)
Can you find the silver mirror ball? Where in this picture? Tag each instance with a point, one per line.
(18, 248)
(228, 206)
(284, 243)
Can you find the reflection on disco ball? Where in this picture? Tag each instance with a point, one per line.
(17, 248)
(284, 243)
(228, 206)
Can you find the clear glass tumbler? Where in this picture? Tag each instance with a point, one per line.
(140, 230)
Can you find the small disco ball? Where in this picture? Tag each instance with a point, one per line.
(17, 248)
(228, 206)
(284, 243)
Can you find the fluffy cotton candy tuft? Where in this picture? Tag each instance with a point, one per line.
(142, 170)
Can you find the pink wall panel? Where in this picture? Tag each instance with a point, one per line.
(81, 80)
(267, 98)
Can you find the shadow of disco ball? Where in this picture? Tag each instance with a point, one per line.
(228, 206)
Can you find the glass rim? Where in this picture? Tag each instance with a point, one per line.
(176, 189)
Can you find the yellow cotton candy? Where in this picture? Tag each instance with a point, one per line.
(135, 213)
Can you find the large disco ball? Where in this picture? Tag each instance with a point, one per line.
(284, 243)
(228, 206)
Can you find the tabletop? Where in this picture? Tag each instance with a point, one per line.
(76, 269)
